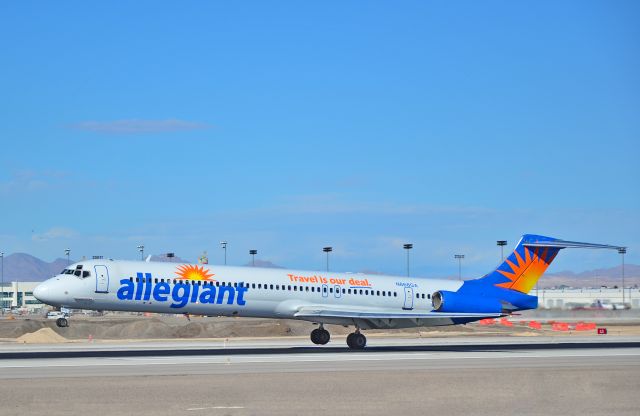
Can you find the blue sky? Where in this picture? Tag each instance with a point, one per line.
(288, 126)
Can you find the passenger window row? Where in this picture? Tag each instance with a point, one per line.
(265, 286)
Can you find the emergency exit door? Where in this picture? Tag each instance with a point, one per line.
(408, 298)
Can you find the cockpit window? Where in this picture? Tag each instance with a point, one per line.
(67, 271)
(85, 274)
(78, 272)
(79, 267)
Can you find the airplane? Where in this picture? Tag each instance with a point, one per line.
(358, 300)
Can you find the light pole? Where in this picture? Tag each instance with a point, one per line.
(502, 243)
(622, 251)
(459, 257)
(224, 247)
(253, 257)
(141, 250)
(67, 252)
(2, 288)
(408, 247)
(327, 250)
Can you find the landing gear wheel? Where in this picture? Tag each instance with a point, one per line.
(62, 322)
(356, 341)
(325, 336)
(315, 337)
(320, 336)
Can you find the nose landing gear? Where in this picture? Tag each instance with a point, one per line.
(320, 336)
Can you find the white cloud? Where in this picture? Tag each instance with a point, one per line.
(137, 126)
(54, 233)
(27, 180)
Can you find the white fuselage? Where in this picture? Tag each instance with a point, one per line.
(234, 291)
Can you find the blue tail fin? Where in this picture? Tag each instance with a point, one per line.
(533, 254)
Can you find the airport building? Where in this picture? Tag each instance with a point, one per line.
(571, 298)
(20, 295)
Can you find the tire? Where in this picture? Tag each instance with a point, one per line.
(315, 336)
(350, 340)
(324, 337)
(358, 341)
(62, 322)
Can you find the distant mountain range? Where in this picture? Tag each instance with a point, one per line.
(264, 263)
(611, 276)
(24, 267)
(164, 258)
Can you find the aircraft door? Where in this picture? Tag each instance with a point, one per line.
(325, 291)
(102, 279)
(408, 298)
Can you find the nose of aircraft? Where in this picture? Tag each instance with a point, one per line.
(50, 292)
(41, 291)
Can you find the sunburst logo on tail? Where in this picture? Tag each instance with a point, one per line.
(526, 268)
(194, 272)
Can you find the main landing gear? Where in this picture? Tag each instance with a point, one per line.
(62, 322)
(356, 341)
(320, 336)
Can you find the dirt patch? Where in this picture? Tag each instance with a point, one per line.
(17, 327)
(132, 327)
(41, 336)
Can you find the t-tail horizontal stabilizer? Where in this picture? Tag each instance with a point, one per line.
(568, 244)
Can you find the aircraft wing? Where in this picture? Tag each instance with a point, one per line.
(333, 312)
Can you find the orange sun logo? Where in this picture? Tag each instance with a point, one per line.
(194, 272)
(527, 271)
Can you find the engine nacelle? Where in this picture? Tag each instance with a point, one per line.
(446, 301)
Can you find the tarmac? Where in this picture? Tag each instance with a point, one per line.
(288, 376)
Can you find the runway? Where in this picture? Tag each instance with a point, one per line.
(408, 376)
